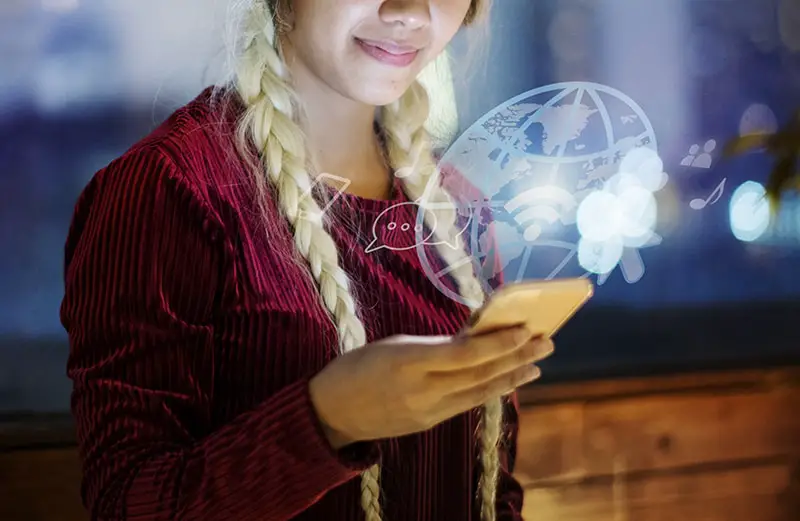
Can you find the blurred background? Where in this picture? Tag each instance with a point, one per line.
(80, 82)
(701, 334)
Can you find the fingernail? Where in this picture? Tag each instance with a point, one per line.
(544, 347)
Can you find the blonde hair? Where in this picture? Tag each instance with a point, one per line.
(271, 123)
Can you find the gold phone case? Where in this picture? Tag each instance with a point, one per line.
(544, 307)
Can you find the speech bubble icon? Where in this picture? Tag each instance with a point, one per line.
(451, 236)
(398, 229)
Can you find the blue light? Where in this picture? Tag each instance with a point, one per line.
(749, 212)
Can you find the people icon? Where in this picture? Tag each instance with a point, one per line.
(700, 160)
(688, 160)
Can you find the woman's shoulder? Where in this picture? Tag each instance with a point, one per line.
(191, 166)
(194, 146)
(192, 154)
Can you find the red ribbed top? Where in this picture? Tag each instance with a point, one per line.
(193, 337)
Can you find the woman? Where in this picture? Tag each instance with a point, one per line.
(216, 317)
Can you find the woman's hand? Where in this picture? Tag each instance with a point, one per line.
(402, 385)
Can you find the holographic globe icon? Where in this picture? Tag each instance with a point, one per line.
(536, 158)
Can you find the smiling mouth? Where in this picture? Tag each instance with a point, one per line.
(389, 53)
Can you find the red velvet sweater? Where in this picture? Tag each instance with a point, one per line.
(193, 337)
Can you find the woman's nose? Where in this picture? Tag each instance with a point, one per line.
(413, 14)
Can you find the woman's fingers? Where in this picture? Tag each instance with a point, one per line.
(473, 351)
(453, 382)
(457, 403)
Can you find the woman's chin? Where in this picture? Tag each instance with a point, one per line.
(379, 94)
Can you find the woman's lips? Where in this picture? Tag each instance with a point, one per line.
(389, 53)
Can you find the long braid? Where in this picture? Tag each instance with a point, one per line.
(408, 145)
(270, 122)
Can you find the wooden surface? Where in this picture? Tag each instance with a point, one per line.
(700, 447)
(695, 448)
(40, 485)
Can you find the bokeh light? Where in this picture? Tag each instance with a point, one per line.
(749, 211)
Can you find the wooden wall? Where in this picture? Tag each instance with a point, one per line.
(722, 447)
(711, 447)
(40, 485)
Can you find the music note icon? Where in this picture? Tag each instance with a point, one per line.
(699, 204)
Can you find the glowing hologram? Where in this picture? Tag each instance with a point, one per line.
(699, 204)
(646, 166)
(389, 230)
(697, 159)
(615, 223)
(324, 180)
(690, 157)
(398, 230)
(541, 206)
(536, 158)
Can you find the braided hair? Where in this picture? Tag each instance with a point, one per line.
(271, 123)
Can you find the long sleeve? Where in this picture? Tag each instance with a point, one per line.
(146, 263)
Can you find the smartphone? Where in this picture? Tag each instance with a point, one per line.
(542, 306)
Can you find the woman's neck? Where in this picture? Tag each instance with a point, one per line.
(341, 137)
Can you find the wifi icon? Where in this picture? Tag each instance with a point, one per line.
(539, 207)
